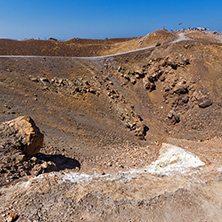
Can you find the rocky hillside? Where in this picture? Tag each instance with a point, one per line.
(81, 47)
(168, 90)
(110, 114)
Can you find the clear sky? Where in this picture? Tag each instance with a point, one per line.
(65, 19)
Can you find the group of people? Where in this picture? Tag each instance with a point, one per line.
(192, 28)
(198, 29)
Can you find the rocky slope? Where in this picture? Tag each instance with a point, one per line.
(134, 195)
(112, 114)
(81, 47)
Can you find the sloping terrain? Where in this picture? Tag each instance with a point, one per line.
(74, 47)
(156, 37)
(136, 98)
(81, 47)
(112, 113)
(134, 195)
(213, 37)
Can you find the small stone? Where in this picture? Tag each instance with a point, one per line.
(45, 88)
(162, 78)
(36, 170)
(44, 79)
(109, 164)
(99, 171)
(181, 89)
(119, 69)
(44, 165)
(204, 102)
(12, 218)
(34, 79)
(147, 85)
(52, 166)
(20, 158)
(34, 159)
(92, 90)
(139, 71)
(150, 86)
(173, 115)
(133, 80)
(137, 76)
(185, 99)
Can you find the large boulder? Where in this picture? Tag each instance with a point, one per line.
(21, 134)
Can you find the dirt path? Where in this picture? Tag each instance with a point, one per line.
(180, 37)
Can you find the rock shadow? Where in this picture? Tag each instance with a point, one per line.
(62, 162)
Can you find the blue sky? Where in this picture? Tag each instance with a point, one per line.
(64, 19)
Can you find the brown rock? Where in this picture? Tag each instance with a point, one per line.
(44, 80)
(99, 171)
(151, 78)
(36, 170)
(34, 79)
(49, 166)
(119, 69)
(12, 218)
(21, 134)
(162, 78)
(150, 86)
(141, 130)
(181, 89)
(147, 85)
(139, 71)
(174, 116)
(133, 80)
(185, 99)
(204, 102)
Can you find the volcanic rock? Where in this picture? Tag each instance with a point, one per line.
(21, 134)
(12, 218)
(181, 89)
(174, 116)
(204, 102)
